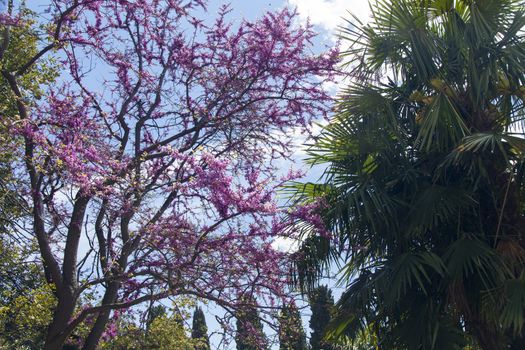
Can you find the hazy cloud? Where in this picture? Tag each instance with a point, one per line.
(329, 14)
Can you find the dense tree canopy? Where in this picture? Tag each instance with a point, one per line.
(26, 300)
(425, 184)
(23, 43)
(164, 330)
(149, 167)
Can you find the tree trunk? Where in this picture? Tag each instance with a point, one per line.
(103, 317)
(487, 336)
(56, 335)
(488, 340)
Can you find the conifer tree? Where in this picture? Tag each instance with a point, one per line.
(291, 331)
(154, 312)
(250, 335)
(199, 330)
(321, 304)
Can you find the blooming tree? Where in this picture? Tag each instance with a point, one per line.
(150, 168)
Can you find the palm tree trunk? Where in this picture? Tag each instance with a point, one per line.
(487, 337)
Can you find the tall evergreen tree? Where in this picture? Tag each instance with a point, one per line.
(291, 331)
(321, 304)
(154, 312)
(199, 331)
(250, 334)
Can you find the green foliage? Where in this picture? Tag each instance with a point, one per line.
(20, 42)
(199, 330)
(322, 306)
(25, 319)
(17, 274)
(23, 43)
(129, 337)
(153, 312)
(168, 333)
(425, 178)
(26, 300)
(163, 331)
(291, 332)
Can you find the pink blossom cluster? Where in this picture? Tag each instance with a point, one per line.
(10, 20)
(310, 214)
(165, 129)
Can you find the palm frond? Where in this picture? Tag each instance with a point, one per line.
(436, 205)
(468, 256)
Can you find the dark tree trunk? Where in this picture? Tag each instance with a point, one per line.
(67, 285)
(103, 317)
(488, 340)
(111, 294)
(56, 334)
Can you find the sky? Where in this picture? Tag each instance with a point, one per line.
(325, 15)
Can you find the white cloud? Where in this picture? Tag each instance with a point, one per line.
(286, 244)
(329, 14)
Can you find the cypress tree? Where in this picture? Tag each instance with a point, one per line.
(199, 330)
(291, 331)
(249, 335)
(154, 312)
(321, 304)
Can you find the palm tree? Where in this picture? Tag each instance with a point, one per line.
(425, 179)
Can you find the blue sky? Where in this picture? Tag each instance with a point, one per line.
(326, 15)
